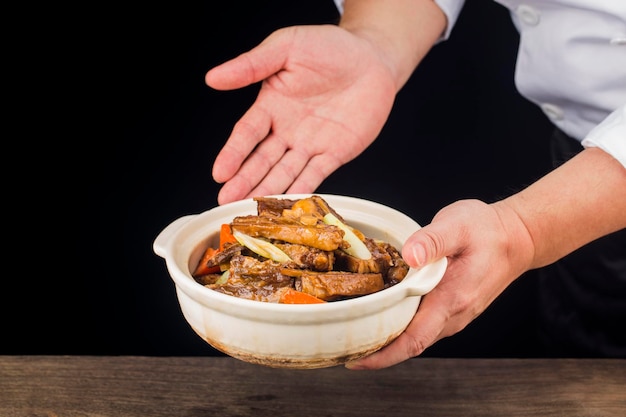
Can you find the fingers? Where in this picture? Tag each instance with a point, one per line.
(423, 331)
(252, 66)
(425, 246)
(249, 180)
(469, 234)
(294, 172)
(435, 317)
(281, 166)
(271, 169)
(293, 160)
(440, 238)
(314, 173)
(247, 133)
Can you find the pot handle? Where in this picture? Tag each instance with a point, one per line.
(431, 274)
(160, 243)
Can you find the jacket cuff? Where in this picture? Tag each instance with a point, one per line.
(610, 135)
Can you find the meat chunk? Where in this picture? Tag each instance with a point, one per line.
(254, 280)
(224, 256)
(314, 207)
(249, 268)
(317, 263)
(306, 257)
(398, 269)
(320, 236)
(334, 285)
(385, 260)
(268, 206)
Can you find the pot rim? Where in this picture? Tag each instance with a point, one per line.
(178, 245)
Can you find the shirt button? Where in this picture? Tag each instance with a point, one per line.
(528, 15)
(552, 111)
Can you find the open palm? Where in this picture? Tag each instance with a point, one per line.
(324, 98)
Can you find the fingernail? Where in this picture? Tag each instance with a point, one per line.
(419, 254)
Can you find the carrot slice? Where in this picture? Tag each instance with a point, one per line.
(291, 296)
(226, 236)
(202, 268)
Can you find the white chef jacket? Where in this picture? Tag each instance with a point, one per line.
(572, 63)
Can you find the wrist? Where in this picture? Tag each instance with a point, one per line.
(520, 244)
(401, 34)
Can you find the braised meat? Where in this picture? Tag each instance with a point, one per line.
(290, 244)
(398, 268)
(385, 260)
(314, 206)
(273, 207)
(253, 279)
(335, 285)
(307, 257)
(320, 236)
(224, 256)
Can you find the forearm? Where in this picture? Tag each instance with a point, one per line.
(403, 31)
(580, 201)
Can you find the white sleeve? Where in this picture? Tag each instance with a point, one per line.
(339, 4)
(610, 135)
(451, 8)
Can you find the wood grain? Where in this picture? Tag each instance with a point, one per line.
(68, 386)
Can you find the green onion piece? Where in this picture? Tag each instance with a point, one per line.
(357, 247)
(262, 247)
(224, 278)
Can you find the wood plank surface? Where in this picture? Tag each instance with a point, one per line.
(69, 386)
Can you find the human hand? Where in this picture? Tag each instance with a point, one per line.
(487, 247)
(325, 96)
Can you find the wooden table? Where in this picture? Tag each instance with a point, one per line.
(67, 386)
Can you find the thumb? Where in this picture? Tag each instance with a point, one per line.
(429, 244)
(252, 66)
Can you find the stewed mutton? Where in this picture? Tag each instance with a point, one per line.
(298, 251)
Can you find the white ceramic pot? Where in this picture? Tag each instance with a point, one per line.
(288, 335)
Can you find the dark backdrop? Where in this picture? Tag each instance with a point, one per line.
(458, 130)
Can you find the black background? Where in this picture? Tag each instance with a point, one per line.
(458, 130)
